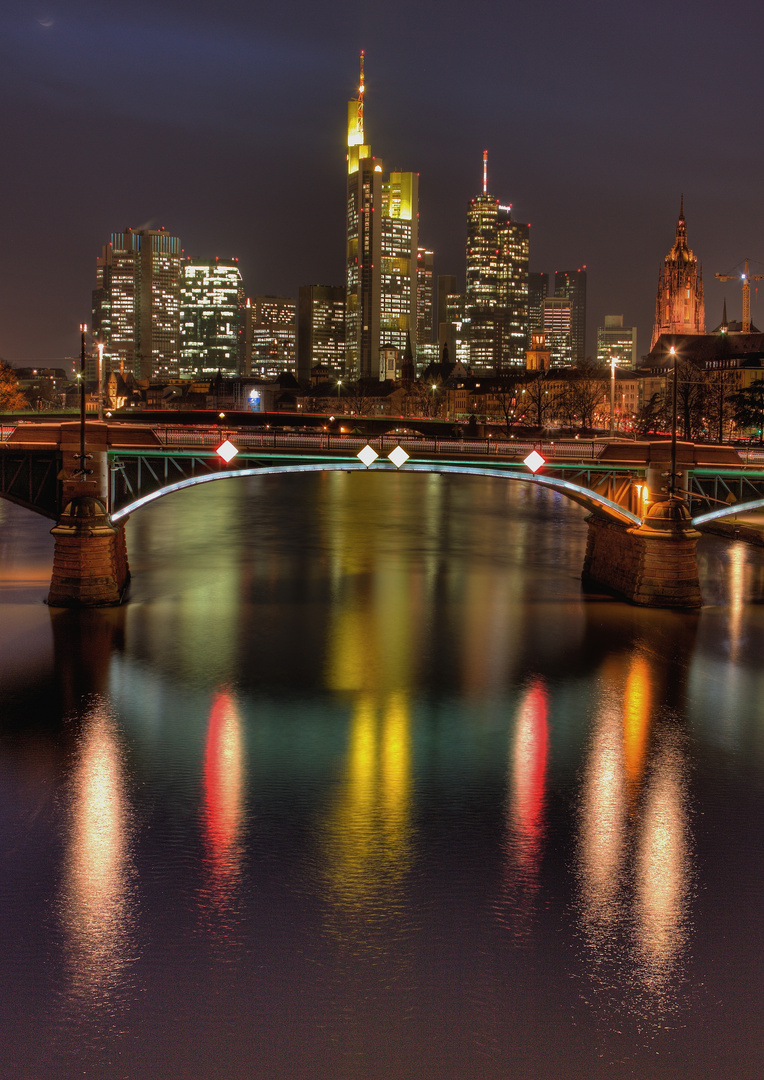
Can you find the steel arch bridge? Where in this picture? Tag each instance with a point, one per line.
(606, 490)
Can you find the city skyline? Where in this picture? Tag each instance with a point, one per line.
(243, 109)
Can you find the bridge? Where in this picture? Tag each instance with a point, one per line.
(131, 465)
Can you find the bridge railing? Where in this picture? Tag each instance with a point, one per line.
(246, 439)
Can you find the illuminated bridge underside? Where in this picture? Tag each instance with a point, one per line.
(592, 501)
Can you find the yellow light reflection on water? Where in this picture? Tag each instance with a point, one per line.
(367, 846)
(738, 564)
(223, 806)
(637, 703)
(96, 897)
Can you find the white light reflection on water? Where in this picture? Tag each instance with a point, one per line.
(96, 897)
(633, 854)
(663, 875)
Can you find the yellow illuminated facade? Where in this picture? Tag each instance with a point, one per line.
(381, 253)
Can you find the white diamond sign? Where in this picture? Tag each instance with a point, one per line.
(534, 461)
(398, 456)
(227, 451)
(368, 455)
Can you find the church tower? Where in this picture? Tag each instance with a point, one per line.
(679, 305)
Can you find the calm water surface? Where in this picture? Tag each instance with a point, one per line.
(359, 784)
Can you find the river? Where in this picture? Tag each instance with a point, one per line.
(359, 784)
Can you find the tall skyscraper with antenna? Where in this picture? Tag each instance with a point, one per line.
(381, 259)
(496, 299)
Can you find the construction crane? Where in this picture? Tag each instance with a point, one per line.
(747, 279)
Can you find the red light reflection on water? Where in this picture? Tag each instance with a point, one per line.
(223, 800)
(526, 805)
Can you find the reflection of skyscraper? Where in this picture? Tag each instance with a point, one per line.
(136, 303)
(382, 240)
(571, 286)
(497, 283)
(211, 297)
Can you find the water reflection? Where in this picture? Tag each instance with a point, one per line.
(633, 850)
(662, 885)
(367, 846)
(224, 782)
(526, 804)
(96, 898)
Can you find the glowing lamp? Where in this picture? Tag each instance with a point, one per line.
(398, 456)
(534, 461)
(368, 455)
(227, 451)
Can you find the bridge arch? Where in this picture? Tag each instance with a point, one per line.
(728, 511)
(590, 500)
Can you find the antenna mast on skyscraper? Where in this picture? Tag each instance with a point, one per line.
(360, 101)
(485, 172)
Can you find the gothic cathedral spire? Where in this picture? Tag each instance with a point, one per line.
(679, 307)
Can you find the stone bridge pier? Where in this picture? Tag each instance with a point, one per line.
(90, 567)
(653, 564)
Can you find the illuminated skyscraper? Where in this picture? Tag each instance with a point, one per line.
(211, 299)
(136, 303)
(616, 341)
(497, 283)
(570, 285)
(270, 336)
(679, 306)
(556, 329)
(538, 290)
(382, 239)
(424, 303)
(320, 329)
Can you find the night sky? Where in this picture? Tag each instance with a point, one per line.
(226, 124)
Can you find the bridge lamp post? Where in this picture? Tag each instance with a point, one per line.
(100, 347)
(81, 376)
(672, 474)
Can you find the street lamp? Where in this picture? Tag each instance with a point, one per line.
(339, 387)
(100, 347)
(612, 395)
(433, 388)
(83, 331)
(672, 474)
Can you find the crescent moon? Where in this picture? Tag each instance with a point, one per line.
(47, 23)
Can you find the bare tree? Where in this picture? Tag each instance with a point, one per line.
(506, 395)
